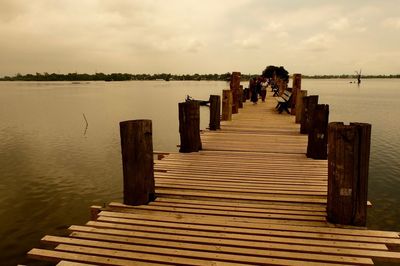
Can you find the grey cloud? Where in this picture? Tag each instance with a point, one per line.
(11, 9)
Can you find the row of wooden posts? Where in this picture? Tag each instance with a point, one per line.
(345, 146)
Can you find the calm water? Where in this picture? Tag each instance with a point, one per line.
(53, 169)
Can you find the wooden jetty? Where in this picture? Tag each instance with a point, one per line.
(249, 197)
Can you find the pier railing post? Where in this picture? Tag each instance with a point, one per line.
(137, 161)
(296, 87)
(215, 112)
(226, 105)
(318, 133)
(234, 86)
(348, 162)
(309, 104)
(189, 126)
(240, 96)
(299, 104)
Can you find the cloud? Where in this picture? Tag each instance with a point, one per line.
(273, 26)
(317, 43)
(393, 22)
(11, 9)
(138, 35)
(339, 24)
(249, 43)
(194, 46)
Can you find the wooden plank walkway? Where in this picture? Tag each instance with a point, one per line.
(251, 197)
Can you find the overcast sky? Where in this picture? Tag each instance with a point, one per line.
(193, 36)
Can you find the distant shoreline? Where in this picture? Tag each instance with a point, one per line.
(74, 77)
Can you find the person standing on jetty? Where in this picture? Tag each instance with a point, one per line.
(263, 91)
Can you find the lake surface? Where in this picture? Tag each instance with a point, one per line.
(53, 167)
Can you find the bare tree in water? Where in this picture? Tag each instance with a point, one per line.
(358, 77)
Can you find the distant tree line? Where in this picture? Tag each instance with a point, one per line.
(119, 77)
(343, 76)
(269, 71)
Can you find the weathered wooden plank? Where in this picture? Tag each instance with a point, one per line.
(218, 254)
(70, 263)
(55, 256)
(238, 248)
(292, 228)
(249, 242)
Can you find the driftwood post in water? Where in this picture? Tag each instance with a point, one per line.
(226, 105)
(215, 112)
(348, 162)
(137, 161)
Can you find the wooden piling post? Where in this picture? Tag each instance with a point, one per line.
(299, 104)
(189, 126)
(94, 212)
(348, 162)
(296, 87)
(309, 104)
(234, 86)
(226, 105)
(215, 112)
(137, 161)
(246, 94)
(240, 96)
(318, 133)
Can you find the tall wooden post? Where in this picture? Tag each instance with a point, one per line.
(137, 161)
(318, 133)
(226, 105)
(348, 162)
(215, 112)
(296, 87)
(234, 86)
(309, 104)
(299, 104)
(240, 96)
(189, 126)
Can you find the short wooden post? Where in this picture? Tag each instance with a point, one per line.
(240, 96)
(296, 87)
(318, 133)
(215, 112)
(348, 162)
(94, 212)
(234, 86)
(226, 105)
(309, 104)
(299, 104)
(246, 94)
(137, 161)
(189, 126)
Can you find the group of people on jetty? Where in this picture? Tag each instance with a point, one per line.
(258, 87)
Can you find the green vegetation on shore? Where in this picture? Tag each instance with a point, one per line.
(115, 77)
(163, 76)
